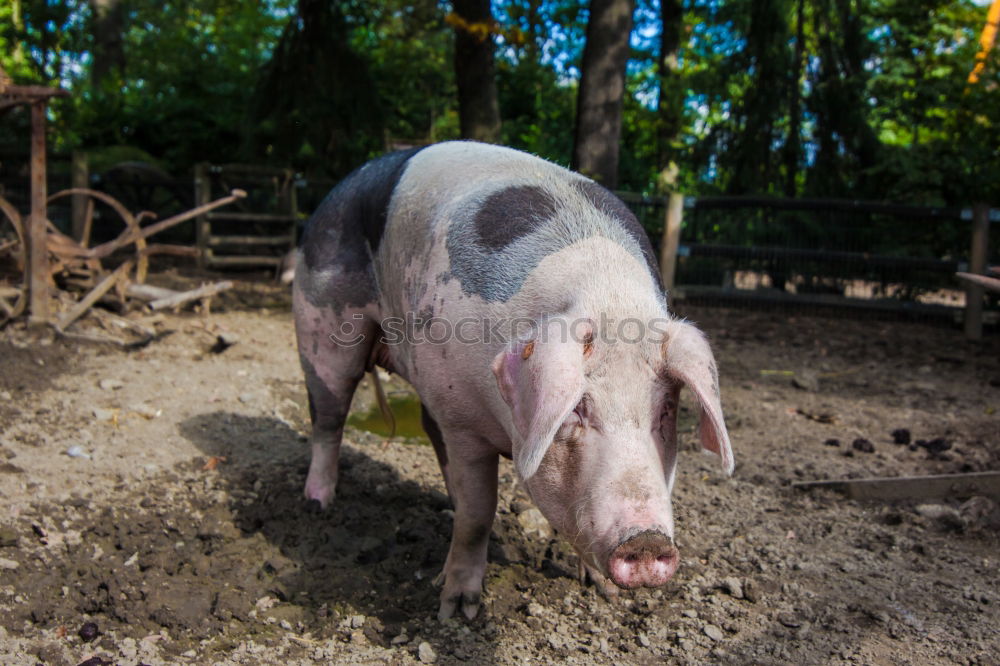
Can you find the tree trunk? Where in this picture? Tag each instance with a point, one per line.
(478, 108)
(107, 25)
(793, 143)
(670, 102)
(602, 87)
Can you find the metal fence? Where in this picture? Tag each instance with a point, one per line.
(884, 259)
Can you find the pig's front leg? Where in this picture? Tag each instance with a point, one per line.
(473, 482)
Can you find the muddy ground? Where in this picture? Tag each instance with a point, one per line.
(183, 538)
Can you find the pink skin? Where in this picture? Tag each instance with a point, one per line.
(590, 428)
(332, 373)
(604, 483)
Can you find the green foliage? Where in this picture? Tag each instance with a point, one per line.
(855, 98)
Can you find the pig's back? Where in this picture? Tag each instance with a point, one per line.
(486, 216)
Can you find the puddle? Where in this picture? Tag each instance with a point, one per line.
(405, 407)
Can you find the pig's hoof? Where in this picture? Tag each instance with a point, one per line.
(319, 492)
(469, 602)
(314, 506)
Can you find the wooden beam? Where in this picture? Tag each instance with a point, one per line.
(671, 241)
(103, 287)
(977, 266)
(203, 228)
(38, 257)
(245, 260)
(984, 281)
(251, 240)
(912, 487)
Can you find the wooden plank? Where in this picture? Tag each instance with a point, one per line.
(250, 217)
(855, 260)
(175, 250)
(912, 487)
(244, 260)
(984, 281)
(783, 299)
(823, 205)
(249, 240)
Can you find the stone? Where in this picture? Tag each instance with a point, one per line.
(111, 384)
(733, 586)
(104, 414)
(534, 523)
(863, 445)
(426, 654)
(939, 513)
(807, 380)
(535, 609)
(713, 632)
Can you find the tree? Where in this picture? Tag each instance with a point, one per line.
(107, 24)
(478, 108)
(602, 86)
(315, 105)
(670, 97)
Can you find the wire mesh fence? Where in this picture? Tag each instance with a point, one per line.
(816, 255)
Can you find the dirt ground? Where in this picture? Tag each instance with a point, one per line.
(177, 532)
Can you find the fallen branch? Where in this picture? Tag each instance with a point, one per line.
(147, 292)
(193, 295)
(103, 287)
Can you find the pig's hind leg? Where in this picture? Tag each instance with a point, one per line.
(334, 348)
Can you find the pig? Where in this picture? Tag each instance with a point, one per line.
(523, 303)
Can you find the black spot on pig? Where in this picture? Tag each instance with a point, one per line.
(512, 213)
(606, 202)
(347, 227)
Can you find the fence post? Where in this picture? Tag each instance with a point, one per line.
(79, 177)
(977, 266)
(293, 208)
(203, 228)
(38, 253)
(671, 241)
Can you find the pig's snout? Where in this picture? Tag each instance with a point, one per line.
(648, 559)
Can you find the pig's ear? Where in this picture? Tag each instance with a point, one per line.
(689, 360)
(541, 380)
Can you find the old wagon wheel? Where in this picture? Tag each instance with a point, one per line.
(13, 260)
(131, 224)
